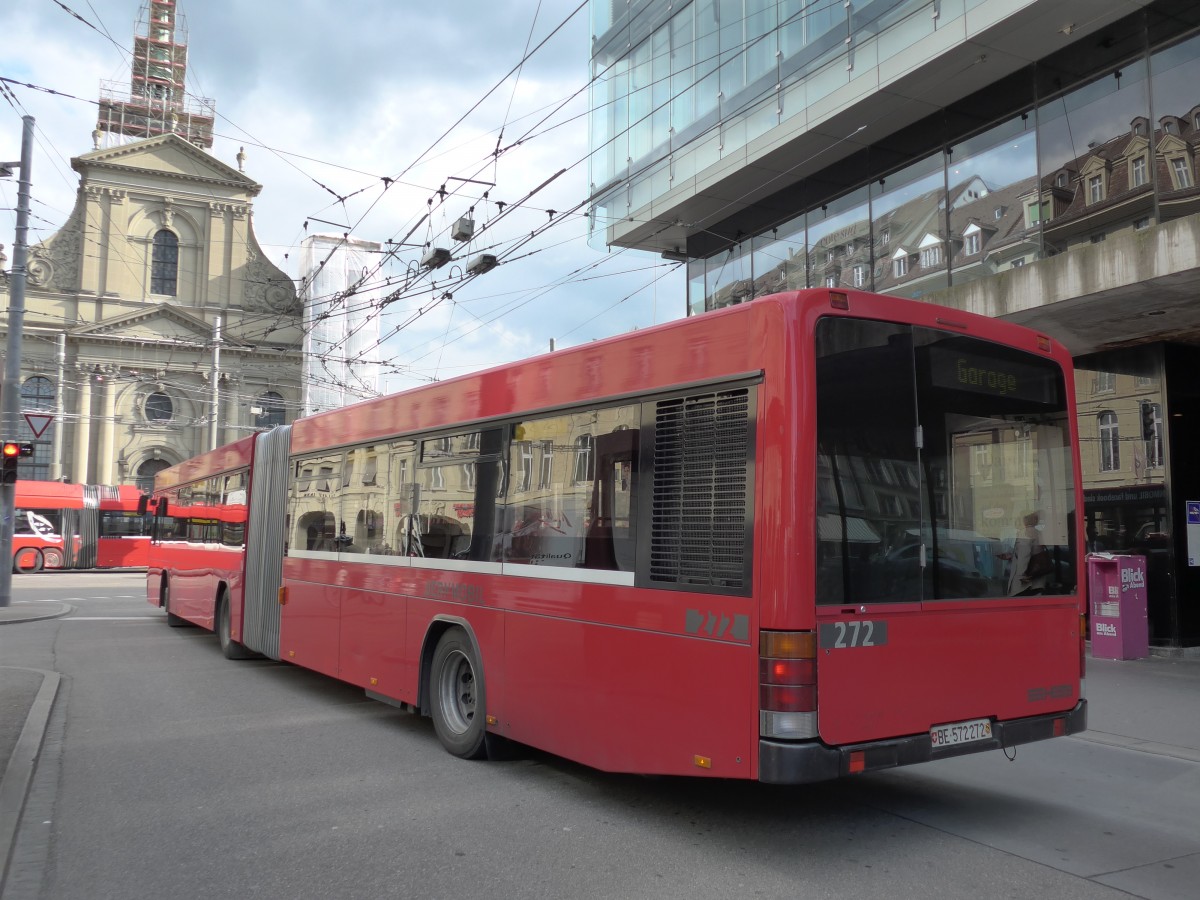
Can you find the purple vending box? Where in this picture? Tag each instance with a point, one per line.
(1117, 603)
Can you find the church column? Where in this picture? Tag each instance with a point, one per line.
(106, 471)
(83, 426)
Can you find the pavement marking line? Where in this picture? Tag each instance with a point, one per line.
(1142, 746)
(110, 618)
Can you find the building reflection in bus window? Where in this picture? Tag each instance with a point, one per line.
(571, 491)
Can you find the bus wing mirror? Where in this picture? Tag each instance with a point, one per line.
(143, 504)
(161, 512)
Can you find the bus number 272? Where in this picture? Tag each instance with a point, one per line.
(856, 633)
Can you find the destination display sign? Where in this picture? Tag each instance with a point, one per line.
(964, 369)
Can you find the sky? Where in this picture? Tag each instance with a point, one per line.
(330, 99)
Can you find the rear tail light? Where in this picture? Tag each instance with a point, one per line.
(787, 673)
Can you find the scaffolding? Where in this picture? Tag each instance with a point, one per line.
(156, 101)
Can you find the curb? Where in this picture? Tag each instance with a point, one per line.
(14, 786)
(55, 611)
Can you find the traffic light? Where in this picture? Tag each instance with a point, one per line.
(1149, 432)
(12, 452)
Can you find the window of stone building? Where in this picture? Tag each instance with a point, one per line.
(270, 410)
(164, 264)
(146, 472)
(159, 408)
(1110, 442)
(1138, 170)
(37, 393)
(1181, 173)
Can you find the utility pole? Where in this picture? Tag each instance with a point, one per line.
(214, 422)
(10, 388)
(56, 440)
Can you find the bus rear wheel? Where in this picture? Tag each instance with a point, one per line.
(52, 558)
(457, 696)
(27, 560)
(164, 600)
(230, 648)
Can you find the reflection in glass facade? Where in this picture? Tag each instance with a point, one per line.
(679, 87)
(1073, 169)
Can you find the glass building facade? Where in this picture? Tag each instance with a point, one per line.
(1092, 144)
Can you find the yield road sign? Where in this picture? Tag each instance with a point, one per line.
(39, 422)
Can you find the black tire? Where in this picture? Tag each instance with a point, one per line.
(164, 600)
(27, 560)
(457, 697)
(229, 647)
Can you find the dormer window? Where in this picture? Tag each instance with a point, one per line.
(1095, 187)
(1170, 126)
(1181, 173)
(1137, 171)
(1060, 180)
(971, 244)
(931, 256)
(900, 263)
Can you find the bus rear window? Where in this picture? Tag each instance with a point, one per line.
(944, 467)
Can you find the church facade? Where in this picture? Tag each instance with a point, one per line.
(155, 326)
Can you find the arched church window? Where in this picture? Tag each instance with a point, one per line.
(270, 410)
(146, 472)
(164, 264)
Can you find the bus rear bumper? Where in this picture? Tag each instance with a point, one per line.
(800, 762)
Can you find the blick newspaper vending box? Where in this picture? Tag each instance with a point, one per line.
(1117, 606)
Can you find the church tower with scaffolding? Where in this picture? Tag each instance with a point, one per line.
(156, 101)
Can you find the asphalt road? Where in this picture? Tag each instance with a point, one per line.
(169, 771)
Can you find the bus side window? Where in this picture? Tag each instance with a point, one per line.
(570, 499)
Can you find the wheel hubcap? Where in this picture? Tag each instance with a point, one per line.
(458, 692)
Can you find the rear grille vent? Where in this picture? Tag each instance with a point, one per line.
(701, 475)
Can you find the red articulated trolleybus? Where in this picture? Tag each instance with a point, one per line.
(812, 535)
(78, 526)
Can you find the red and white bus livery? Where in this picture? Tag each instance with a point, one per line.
(812, 535)
(78, 526)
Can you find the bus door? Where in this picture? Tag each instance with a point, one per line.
(944, 464)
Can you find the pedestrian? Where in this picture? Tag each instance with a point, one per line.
(1029, 560)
